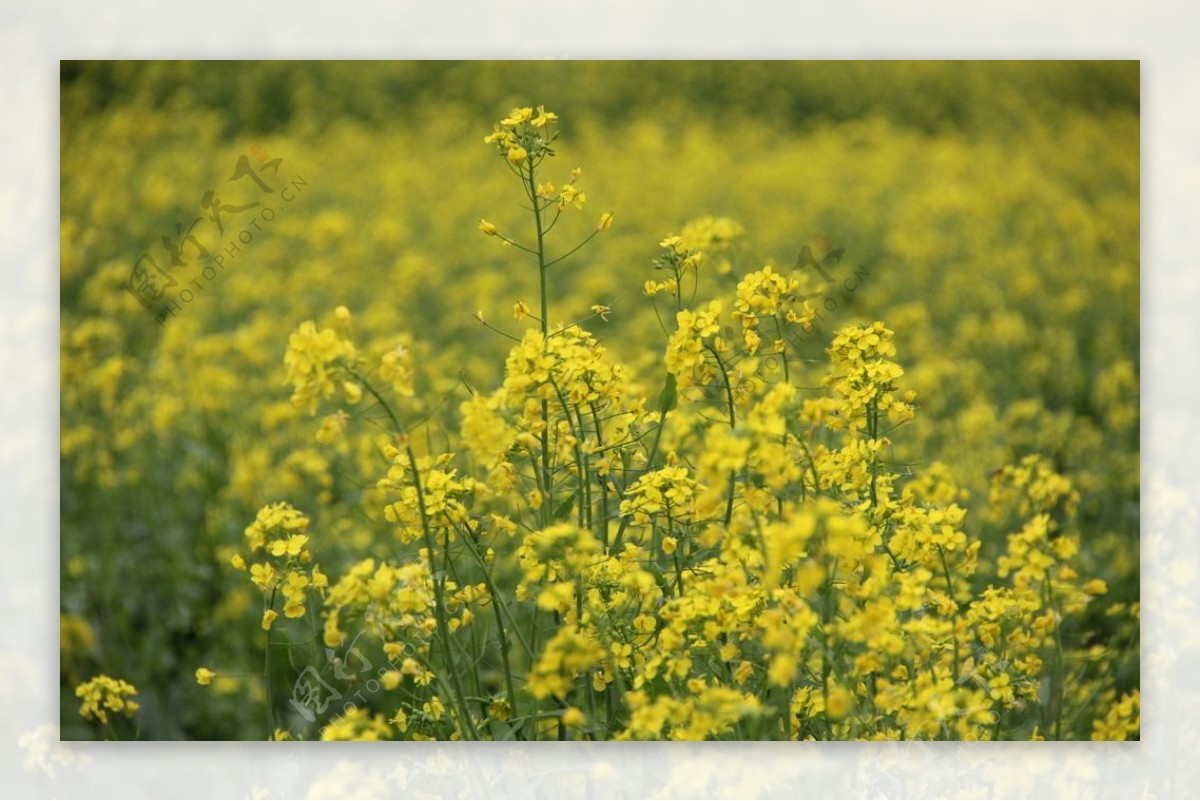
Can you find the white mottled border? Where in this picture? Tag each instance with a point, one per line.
(35, 35)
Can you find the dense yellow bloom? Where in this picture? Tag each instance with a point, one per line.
(686, 347)
(103, 695)
(292, 546)
(729, 538)
(864, 377)
(275, 532)
(263, 576)
(435, 496)
(568, 654)
(357, 724)
(278, 518)
(767, 295)
(668, 492)
(1032, 487)
(1123, 721)
(397, 369)
(715, 711)
(484, 429)
(517, 116)
(570, 195)
(558, 553)
(312, 358)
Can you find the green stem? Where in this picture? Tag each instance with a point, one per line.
(495, 593)
(267, 674)
(1059, 665)
(439, 597)
(577, 433)
(547, 480)
(541, 252)
(675, 555)
(732, 424)
(954, 617)
(602, 482)
(827, 658)
(873, 423)
(426, 528)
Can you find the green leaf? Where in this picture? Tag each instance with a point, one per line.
(564, 509)
(668, 396)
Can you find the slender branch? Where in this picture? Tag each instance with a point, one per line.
(570, 252)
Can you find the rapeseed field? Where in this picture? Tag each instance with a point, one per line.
(600, 401)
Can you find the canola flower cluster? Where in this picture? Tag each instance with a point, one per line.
(103, 695)
(719, 510)
(278, 533)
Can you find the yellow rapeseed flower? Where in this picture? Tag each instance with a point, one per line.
(103, 695)
(517, 116)
(543, 117)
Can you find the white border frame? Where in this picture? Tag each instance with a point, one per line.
(34, 36)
